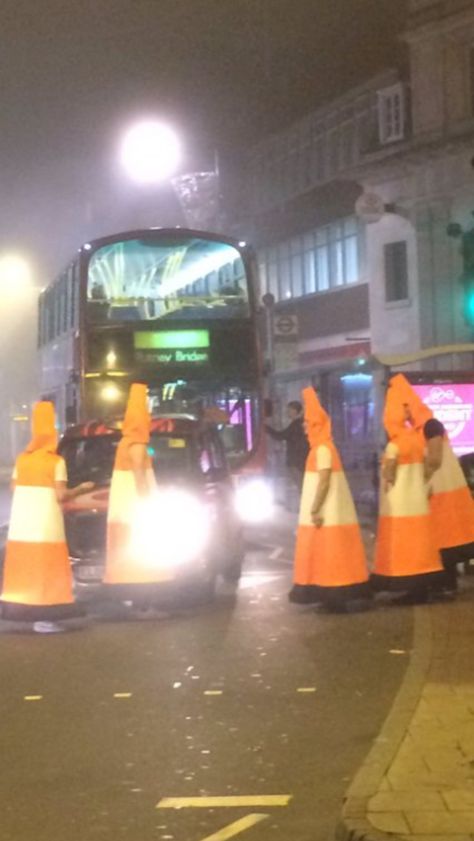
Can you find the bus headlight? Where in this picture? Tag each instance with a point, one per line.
(170, 528)
(254, 501)
(110, 392)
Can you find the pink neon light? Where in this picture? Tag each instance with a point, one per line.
(453, 405)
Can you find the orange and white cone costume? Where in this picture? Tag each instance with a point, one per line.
(452, 506)
(406, 556)
(451, 503)
(330, 564)
(37, 580)
(125, 569)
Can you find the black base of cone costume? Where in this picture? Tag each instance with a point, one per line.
(332, 597)
(405, 583)
(15, 612)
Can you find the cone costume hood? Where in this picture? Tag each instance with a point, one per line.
(420, 412)
(136, 424)
(44, 434)
(318, 422)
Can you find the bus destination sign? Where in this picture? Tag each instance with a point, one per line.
(172, 347)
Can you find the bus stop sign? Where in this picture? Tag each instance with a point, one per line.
(286, 325)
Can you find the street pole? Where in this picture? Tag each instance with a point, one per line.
(269, 304)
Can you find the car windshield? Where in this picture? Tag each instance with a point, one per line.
(92, 459)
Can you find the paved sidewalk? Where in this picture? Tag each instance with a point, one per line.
(418, 780)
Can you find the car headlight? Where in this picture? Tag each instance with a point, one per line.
(254, 501)
(171, 527)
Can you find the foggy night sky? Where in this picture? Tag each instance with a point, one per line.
(223, 72)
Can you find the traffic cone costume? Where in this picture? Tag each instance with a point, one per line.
(37, 579)
(406, 557)
(330, 564)
(125, 571)
(451, 503)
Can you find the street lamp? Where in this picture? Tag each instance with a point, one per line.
(15, 275)
(18, 297)
(150, 152)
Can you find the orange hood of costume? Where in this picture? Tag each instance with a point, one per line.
(318, 422)
(44, 433)
(420, 412)
(137, 420)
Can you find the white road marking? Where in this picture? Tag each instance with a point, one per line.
(230, 801)
(233, 829)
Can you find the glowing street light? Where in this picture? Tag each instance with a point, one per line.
(150, 152)
(15, 275)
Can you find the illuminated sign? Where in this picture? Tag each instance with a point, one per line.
(453, 405)
(172, 347)
(171, 339)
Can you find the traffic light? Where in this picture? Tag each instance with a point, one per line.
(468, 302)
(467, 278)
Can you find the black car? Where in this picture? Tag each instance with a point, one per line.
(190, 468)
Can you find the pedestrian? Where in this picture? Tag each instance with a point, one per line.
(129, 573)
(330, 565)
(37, 579)
(296, 443)
(407, 560)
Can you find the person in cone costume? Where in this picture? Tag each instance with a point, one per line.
(407, 560)
(129, 574)
(450, 500)
(37, 579)
(330, 565)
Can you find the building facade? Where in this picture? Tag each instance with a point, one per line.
(351, 210)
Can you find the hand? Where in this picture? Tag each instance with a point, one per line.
(317, 519)
(85, 487)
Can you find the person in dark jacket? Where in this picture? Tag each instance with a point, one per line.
(297, 447)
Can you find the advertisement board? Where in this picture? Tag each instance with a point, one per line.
(453, 405)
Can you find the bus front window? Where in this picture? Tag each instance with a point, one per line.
(158, 278)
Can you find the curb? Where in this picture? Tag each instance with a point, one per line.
(353, 824)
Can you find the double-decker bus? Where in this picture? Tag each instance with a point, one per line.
(174, 308)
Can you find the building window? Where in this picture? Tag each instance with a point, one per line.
(351, 251)
(391, 113)
(324, 258)
(272, 273)
(296, 252)
(309, 264)
(262, 273)
(471, 77)
(396, 271)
